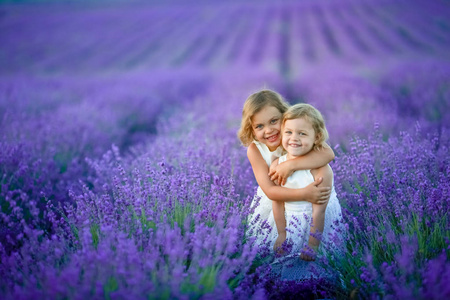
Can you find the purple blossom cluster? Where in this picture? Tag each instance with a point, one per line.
(122, 177)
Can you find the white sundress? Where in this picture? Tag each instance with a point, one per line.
(298, 216)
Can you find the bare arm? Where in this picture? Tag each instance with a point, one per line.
(311, 193)
(278, 216)
(313, 160)
(324, 172)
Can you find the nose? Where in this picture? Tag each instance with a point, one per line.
(269, 129)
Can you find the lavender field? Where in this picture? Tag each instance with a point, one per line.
(122, 176)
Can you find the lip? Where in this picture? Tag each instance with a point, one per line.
(272, 138)
(294, 145)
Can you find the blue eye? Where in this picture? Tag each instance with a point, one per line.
(274, 121)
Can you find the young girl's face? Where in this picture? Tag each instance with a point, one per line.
(298, 137)
(266, 126)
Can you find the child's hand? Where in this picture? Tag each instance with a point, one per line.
(280, 172)
(316, 194)
(309, 253)
(278, 247)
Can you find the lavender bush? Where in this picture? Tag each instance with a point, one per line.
(121, 173)
(395, 194)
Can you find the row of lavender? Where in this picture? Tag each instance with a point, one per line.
(53, 39)
(167, 218)
(49, 127)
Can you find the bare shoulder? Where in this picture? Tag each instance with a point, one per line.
(329, 151)
(252, 150)
(326, 172)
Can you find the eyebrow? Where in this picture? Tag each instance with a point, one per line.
(302, 130)
(274, 117)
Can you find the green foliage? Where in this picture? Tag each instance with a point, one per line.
(62, 160)
(95, 230)
(206, 283)
(145, 222)
(110, 286)
(431, 239)
(208, 279)
(380, 248)
(180, 212)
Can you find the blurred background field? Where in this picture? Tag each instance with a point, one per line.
(121, 172)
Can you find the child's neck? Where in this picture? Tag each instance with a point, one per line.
(288, 156)
(271, 149)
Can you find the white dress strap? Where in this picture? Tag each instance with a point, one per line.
(268, 155)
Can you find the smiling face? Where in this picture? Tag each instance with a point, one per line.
(298, 137)
(266, 125)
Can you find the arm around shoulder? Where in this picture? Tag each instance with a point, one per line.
(274, 192)
(261, 170)
(315, 159)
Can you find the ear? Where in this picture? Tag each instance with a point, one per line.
(318, 137)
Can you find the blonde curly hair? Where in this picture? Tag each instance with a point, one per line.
(310, 113)
(254, 103)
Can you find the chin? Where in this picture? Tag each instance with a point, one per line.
(274, 143)
(296, 154)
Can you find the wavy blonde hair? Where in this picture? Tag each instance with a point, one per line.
(254, 103)
(310, 113)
